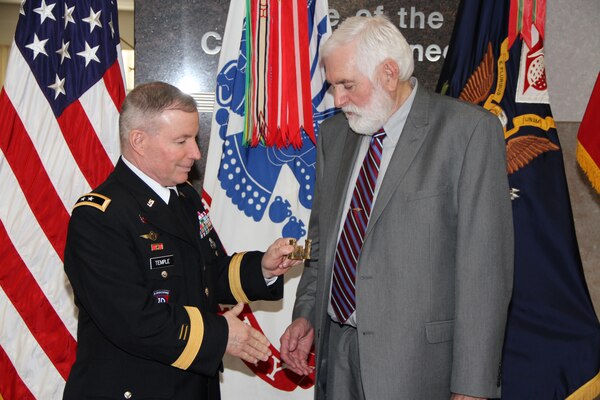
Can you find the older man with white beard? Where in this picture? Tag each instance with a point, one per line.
(407, 291)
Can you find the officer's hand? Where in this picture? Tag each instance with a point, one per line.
(275, 261)
(244, 341)
(296, 343)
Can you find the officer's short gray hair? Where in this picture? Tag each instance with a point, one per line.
(148, 101)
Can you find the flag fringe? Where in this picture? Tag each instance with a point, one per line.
(589, 391)
(589, 166)
(278, 99)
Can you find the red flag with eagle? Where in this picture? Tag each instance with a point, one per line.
(59, 111)
(260, 170)
(552, 341)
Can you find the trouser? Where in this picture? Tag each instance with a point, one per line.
(343, 367)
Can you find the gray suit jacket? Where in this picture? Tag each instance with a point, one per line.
(434, 277)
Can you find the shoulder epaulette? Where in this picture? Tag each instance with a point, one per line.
(95, 200)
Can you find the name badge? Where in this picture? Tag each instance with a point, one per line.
(162, 262)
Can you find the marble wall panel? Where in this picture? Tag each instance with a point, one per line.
(179, 42)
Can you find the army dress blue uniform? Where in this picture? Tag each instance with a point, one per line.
(147, 285)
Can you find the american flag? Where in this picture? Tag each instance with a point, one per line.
(58, 139)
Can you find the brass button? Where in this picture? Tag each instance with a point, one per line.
(127, 394)
(206, 292)
(164, 274)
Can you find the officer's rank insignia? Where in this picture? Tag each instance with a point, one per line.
(161, 295)
(204, 223)
(156, 246)
(150, 236)
(150, 202)
(93, 200)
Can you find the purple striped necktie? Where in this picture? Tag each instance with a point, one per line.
(343, 293)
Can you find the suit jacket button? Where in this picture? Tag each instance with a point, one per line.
(164, 274)
(206, 292)
(127, 395)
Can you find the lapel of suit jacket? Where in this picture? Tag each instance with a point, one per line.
(412, 137)
(349, 143)
(156, 212)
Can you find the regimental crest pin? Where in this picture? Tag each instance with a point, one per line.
(213, 244)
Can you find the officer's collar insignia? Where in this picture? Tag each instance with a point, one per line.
(150, 236)
(150, 202)
(93, 200)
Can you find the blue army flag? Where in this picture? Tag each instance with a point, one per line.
(552, 342)
(270, 98)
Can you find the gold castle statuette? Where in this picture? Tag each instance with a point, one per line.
(299, 252)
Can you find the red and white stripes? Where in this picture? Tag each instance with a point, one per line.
(45, 164)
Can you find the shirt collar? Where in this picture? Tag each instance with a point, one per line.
(160, 190)
(399, 117)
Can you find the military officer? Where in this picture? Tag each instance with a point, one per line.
(148, 270)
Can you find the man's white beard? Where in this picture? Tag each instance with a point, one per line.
(369, 119)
